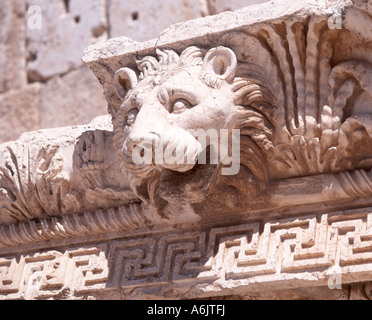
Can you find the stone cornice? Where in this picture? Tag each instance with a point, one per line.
(291, 195)
(105, 58)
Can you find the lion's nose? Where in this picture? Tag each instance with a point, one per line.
(146, 141)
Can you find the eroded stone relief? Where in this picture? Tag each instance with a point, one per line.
(297, 212)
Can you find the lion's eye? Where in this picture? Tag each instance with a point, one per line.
(132, 114)
(181, 105)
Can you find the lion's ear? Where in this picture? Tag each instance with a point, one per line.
(221, 61)
(124, 80)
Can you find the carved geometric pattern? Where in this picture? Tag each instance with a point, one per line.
(163, 259)
(304, 243)
(241, 250)
(89, 267)
(240, 255)
(10, 277)
(356, 238)
(44, 274)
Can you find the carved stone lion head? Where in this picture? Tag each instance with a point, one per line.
(173, 96)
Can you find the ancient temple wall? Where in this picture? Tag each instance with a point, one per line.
(88, 212)
(43, 83)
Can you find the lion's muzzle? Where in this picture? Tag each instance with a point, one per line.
(173, 149)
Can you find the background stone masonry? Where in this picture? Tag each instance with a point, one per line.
(43, 83)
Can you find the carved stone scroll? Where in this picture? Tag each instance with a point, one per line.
(236, 159)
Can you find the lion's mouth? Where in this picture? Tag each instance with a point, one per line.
(191, 186)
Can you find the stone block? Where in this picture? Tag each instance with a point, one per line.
(12, 49)
(142, 20)
(84, 214)
(19, 111)
(67, 28)
(217, 6)
(75, 98)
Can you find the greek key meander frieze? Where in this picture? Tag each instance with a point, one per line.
(281, 251)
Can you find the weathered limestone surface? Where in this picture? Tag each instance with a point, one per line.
(81, 218)
(12, 49)
(54, 50)
(218, 6)
(19, 111)
(139, 20)
(76, 97)
(29, 55)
